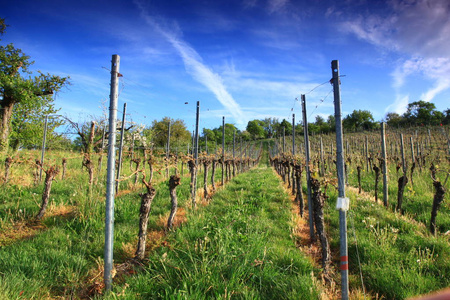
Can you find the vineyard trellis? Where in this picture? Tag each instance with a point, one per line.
(366, 159)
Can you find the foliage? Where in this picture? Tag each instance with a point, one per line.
(394, 119)
(287, 127)
(256, 129)
(419, 113)
(423, 113)
(18, 86)
(179, 135)
(215, 135)
(359, 120)
(28, 122)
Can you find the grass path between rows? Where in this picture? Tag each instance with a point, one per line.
(240, 246)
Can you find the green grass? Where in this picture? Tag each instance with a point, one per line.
(418, 197)
(239, 247)
(399, 258)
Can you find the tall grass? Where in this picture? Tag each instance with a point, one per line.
(239, 246)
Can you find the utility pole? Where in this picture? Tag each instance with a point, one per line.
(109, 215)
(343, 202)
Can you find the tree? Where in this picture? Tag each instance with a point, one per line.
(18, 86)
(179, 135)
(256, 129)
(210, 135)
(287, 127)
(331, 121)
(446, 119)
(270, 125)
(28, 120)
(422, 113)
(393, 119)
(229, 130)
(359, 119)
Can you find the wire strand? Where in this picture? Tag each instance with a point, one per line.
(357, 254)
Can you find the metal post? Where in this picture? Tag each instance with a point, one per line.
(403, 154)
(168, 150)
(385, 170)
(234, 142)
(308, 174)
(322, 169)
(197, 117)
(122, 131)
(366, 147)
(109, 215)
(223, 150)
(293, 134)
(341, 180)
(284, 139)
(43, 147)
(193, 141)
(103, 147)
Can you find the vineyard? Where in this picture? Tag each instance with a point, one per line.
(156, 215)
(243, 232)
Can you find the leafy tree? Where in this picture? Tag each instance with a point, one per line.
(331, 122)
(287, 127)
(446, 119)
(422, 113)
(320, 121)
(210, 134)
(359, 120)
(393, 119)
(245, 135)
(18, 86)
(179, 135)
(28, 121)
(256, 129)
(229, 130)
(270, 125)
(322, 126)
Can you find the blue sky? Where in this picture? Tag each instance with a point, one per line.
(243, 60)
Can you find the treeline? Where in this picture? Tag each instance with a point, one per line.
(418, 113)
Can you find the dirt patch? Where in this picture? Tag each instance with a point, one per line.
(27, 229)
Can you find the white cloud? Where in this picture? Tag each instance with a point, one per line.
(399, 106)
(436, 69)
(198, 70)
(276, 5)
(418, 29)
